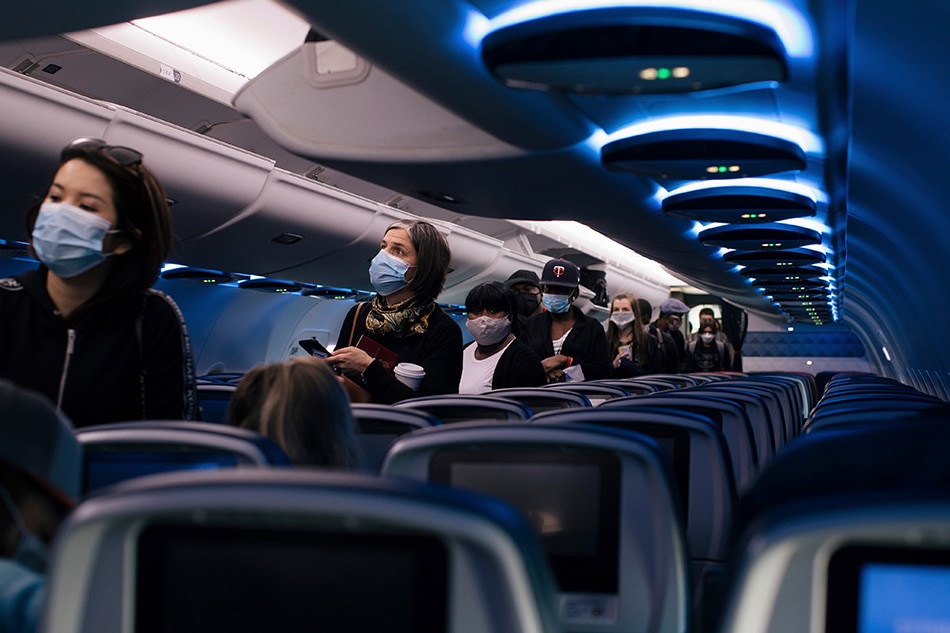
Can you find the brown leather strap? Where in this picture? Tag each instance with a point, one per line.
(356, 317)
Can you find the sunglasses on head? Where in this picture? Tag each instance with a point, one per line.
(125, 156)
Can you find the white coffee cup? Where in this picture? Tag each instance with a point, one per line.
(410, 374)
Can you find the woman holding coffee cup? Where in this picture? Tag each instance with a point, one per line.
(402, 324)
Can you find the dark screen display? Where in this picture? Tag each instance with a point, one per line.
(226, 580)
(571, 499)
(889, 590)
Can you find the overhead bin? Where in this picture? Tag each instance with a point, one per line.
(325, 102)
(207, 181)
(38, 121)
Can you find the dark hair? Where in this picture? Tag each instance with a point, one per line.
(300, 405)
(141, 210)
(707, 311)
(494, 295)
(432, 257)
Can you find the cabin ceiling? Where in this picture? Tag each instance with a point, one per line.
(484, 151)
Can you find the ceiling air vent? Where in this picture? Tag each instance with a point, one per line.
(739, 205)
(634, 50)
(703, 154)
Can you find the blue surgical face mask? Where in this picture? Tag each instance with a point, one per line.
(30, 551)
(556, 304)
(387, 273)
(69, 240)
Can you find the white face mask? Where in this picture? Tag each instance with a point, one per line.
(622, 319)
(488, 331)
(69, 240)
(707, 337)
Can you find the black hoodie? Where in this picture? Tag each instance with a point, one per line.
(126, 359)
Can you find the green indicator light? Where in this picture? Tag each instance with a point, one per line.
(663, 73)
(723, 170)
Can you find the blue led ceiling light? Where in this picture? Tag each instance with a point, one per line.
(759, 237)
(775, 259)
(634, 50)
(703, 154)
(739, 205)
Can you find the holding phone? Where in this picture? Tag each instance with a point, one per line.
(314, 347)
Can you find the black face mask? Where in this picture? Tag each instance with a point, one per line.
(527, 303)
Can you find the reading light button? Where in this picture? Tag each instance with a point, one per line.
(579, 609)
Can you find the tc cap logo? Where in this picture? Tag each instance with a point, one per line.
(558, 271)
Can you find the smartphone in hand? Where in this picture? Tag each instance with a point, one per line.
(314, 347)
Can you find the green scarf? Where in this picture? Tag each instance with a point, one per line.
(402, 319)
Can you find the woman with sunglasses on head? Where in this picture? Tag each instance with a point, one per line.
(86, 329)
(402, 324)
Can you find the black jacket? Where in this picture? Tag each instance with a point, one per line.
(438, 351)
(586, 342)
(121, 360)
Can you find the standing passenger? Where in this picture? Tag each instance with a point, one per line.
(408, 274)
(86, 329)
(497, 358)
(300, 405)
(669, 322)
(633, 350)
(527, 288)
(572, 346)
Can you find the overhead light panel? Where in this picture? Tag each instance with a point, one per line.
(634, 50)
(795, 273)
(703, 154)
(775, 259)
(739, 205)
(759, 237)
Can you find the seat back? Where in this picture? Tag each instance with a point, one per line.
(540, 399)
(854, 566)
(597, 392)
(116, 452)
(451, 408)
(214, 398)
(730, 416)
(293, 551)
(378, 426)
(700, 462)
(601, 498)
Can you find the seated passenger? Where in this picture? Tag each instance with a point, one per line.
(497, 358)
(572, 345)
(86, 330)
(40, 472)
(408, 274)
(707, 353)
(301, 405)
(633, 350)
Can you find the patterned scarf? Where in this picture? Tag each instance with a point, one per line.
(402, 319)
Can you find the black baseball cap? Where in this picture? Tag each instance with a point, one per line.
(561, 272)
